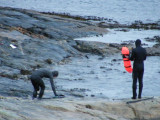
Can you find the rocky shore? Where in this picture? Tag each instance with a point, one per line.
(31, 40)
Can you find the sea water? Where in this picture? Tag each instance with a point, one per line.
(107, 77)
(118, 36)
(123, 11)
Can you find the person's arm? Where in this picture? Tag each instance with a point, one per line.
(132, 56)
(53, 87)
(145, 56)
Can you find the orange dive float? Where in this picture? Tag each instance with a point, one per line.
(127, 62)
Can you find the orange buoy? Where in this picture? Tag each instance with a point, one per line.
(126, 61)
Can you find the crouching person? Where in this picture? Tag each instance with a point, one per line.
(38, 84)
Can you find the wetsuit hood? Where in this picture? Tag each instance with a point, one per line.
(138, 42)
(55, 73)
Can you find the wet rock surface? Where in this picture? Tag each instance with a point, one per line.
(79, 109)
(31, 40)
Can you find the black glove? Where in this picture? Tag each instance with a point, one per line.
(60, 96)
(125, 56)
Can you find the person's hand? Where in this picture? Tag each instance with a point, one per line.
(125, 56)
(60, 95)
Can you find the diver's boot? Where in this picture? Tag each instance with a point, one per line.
(139, 97)
(133, 97)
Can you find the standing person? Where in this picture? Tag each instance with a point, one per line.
(37, 82)
(138, 55)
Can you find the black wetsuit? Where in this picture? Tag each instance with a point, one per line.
(138, 56)
(37, 82)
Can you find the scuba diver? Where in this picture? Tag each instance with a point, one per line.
(37, 82)
(138, 55)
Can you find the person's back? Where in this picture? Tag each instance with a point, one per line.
(42, 73)
(138, 56)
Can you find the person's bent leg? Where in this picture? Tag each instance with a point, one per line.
(42, 90)
(36, 88)
(34, 94)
